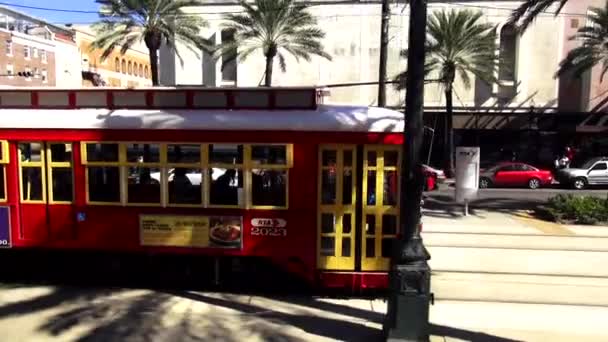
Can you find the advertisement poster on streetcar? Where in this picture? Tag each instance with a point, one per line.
(191, 231)
(5, 227)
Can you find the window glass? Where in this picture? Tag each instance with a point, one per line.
(61, 153)
(31, 183)
(390, 188)
(371, 187)
(102, 152)
(226, 186)
(30, 152)
(143, 153)
(600, 166)
(269, 187)
(185, 186)
(269, 154)
(183, 153)
(329, 158)
(2, 183)
(328, 247)
(103, 183)
(62, 183)
(143, 185)
(391, 158)
(347, 187)
(371, 158)
(389, 224)
(348, 158)
(328, 186)
(328, 222)
(226, 153)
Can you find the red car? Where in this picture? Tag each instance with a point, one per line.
(515, 175)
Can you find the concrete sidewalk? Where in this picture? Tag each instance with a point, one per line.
(71, 314)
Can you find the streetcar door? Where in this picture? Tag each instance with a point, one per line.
(336, 214)
(46, 190)
(380, 214)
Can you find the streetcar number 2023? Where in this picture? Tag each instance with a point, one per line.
(261, 231)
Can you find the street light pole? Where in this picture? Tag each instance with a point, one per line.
(407, 318)
(386, 15)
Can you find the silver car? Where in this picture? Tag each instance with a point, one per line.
(593, 172)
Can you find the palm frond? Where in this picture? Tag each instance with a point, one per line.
(529, 10)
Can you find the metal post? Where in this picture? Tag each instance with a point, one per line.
(407, 318)
(386, 15)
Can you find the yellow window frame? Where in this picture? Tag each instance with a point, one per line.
(87, 164)
(4, 160)
(250, 166)
(162, 150)
(338, 210)
(244, 171)
(32, 164)
(379, 209)
(203, 148)
(50, 164)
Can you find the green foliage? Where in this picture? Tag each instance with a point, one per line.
(579, 209)
(459, 44)
(593, 49)
(274, 27)
(527, 12)
(123, 23)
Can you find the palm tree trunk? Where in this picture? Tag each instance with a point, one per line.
(449, 133)
(154, 66)
(268, 74)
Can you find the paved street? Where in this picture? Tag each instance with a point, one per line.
(496, 276)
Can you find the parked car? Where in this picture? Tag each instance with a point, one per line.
(512, 174)
(592, 172)
(433, 177)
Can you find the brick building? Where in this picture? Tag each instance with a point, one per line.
(29, 44)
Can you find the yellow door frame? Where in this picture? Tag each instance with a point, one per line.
(339, 210)
(374, 261)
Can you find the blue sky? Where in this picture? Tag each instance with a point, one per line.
(55, 16)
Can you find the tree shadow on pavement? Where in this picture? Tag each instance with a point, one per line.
(466, 335)
(442, 206)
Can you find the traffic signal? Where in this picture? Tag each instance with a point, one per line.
(25, 74)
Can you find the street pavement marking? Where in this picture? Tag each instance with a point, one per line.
(546, 227)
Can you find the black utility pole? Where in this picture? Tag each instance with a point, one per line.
(386, 15)
(407, 318)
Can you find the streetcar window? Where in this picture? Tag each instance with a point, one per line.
(31, 155)
(269, 187)
(226, 186)
(59, 169)
(226, 154)
(3, 162)
(143, 153)
(269, 155)
(101, 152)
(143, 185)
(103, 184)
(184, 174)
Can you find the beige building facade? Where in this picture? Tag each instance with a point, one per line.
(353, 39)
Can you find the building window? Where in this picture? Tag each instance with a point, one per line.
(3, 162)
(507, 88)
(146, 71)
(31, 172)
(141, 71)
(26, 52)
(102, 172)
(35, 52)
(43, 56)
(36, 72)
(9, 70)
(135, 73)
(229, 58)
(130, 68)
(44, 76)
(117, 65)
(123, 67)
(59, 170)
(9, 48)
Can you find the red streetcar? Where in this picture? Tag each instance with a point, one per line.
(220, 173)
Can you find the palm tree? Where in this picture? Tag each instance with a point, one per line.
(530, 9)
(459, 44)
(275, 27)
(593, 49)
(127, 22)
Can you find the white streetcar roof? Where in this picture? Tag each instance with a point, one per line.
(326, 118)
